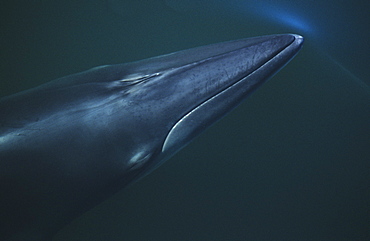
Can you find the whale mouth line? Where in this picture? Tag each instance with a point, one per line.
(231, 85)
(197, 119)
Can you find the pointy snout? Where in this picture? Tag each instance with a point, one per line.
(218, 77)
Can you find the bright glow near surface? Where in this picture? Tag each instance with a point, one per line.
(276, 12)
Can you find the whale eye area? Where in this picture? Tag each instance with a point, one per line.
(131, 80)
(137, 78)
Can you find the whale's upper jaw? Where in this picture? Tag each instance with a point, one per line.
(234, 70)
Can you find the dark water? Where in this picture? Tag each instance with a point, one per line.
(291, 163)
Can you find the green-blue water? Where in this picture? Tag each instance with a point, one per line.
(291, 163)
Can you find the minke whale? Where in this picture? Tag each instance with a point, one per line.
(69, 144)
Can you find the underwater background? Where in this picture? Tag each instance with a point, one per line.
(290, 163)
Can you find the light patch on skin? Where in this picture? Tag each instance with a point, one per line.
(139, 159)
(4, 139)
